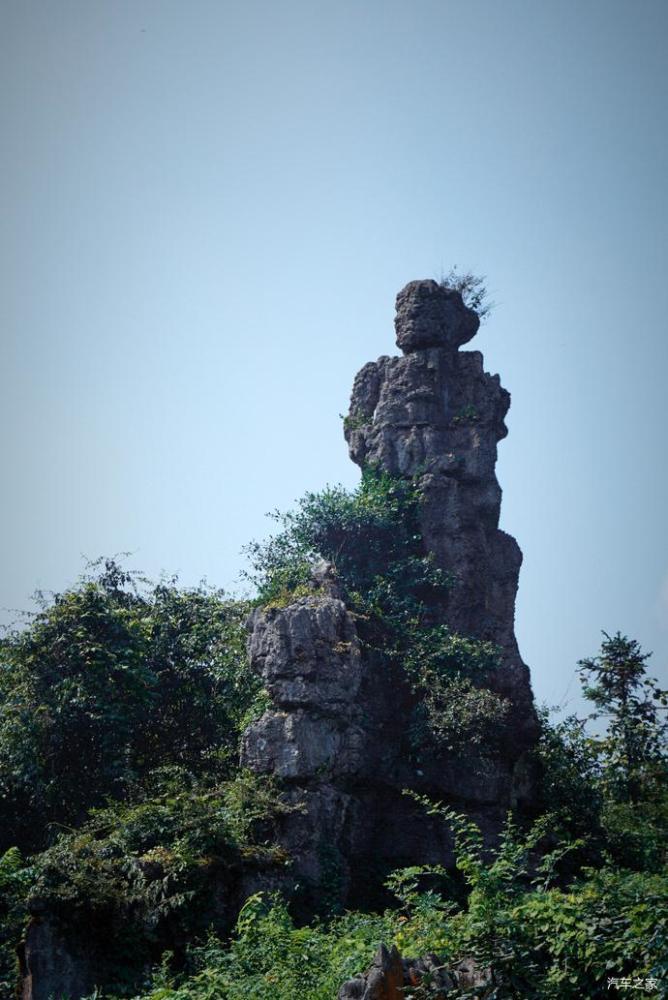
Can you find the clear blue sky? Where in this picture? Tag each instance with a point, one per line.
(207, 209)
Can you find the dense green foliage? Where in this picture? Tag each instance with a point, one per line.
(372, 537)
(141, 875)
(109, 681)
(556, 911)
(540, 940)
(112, 687)
(122, 809)
(16, 878)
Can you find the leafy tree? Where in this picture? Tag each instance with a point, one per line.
(634, 746)
(15, 879)
(570, 777)
(111, 679)
(611, 787)
(139, 877)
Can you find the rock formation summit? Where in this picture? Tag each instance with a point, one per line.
(336, 730)
(437, 415)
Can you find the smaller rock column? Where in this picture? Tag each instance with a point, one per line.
(308, 656)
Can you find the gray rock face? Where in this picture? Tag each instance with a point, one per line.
(433, 411)
(437, 415)
(429, 315)
(336, 732)
(384, 980)
(314, 739)
(391, 977)
(308, 654)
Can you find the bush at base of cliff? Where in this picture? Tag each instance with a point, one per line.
(540, 942)
(140, 877)
(542, 935)
(270, 958)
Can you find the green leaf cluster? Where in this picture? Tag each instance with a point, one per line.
(16, 877)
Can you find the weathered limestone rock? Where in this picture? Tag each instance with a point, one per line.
(390, 977)
(336, 732)
(308, 654)
(384, 980)
(429, 315)
(436, 414)
(314, 738)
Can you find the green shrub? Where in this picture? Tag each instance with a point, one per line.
(467, 415)
(363, 533)
(109, 681)
(15, 878)
(570, 771)
(355, 421)
(472, 289)
(272, 959)
(539, 941)
(138, 877)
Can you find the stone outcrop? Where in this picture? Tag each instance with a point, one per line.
(391, 977)
(437, 415)
(336, 731)
(384, 980)
(51, 965)
(309, 658)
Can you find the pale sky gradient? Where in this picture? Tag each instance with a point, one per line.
(207, 209)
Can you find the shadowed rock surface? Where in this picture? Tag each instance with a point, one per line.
(384, 980)
(51, 965)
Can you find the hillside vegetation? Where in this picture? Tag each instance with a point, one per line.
(123, 808)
